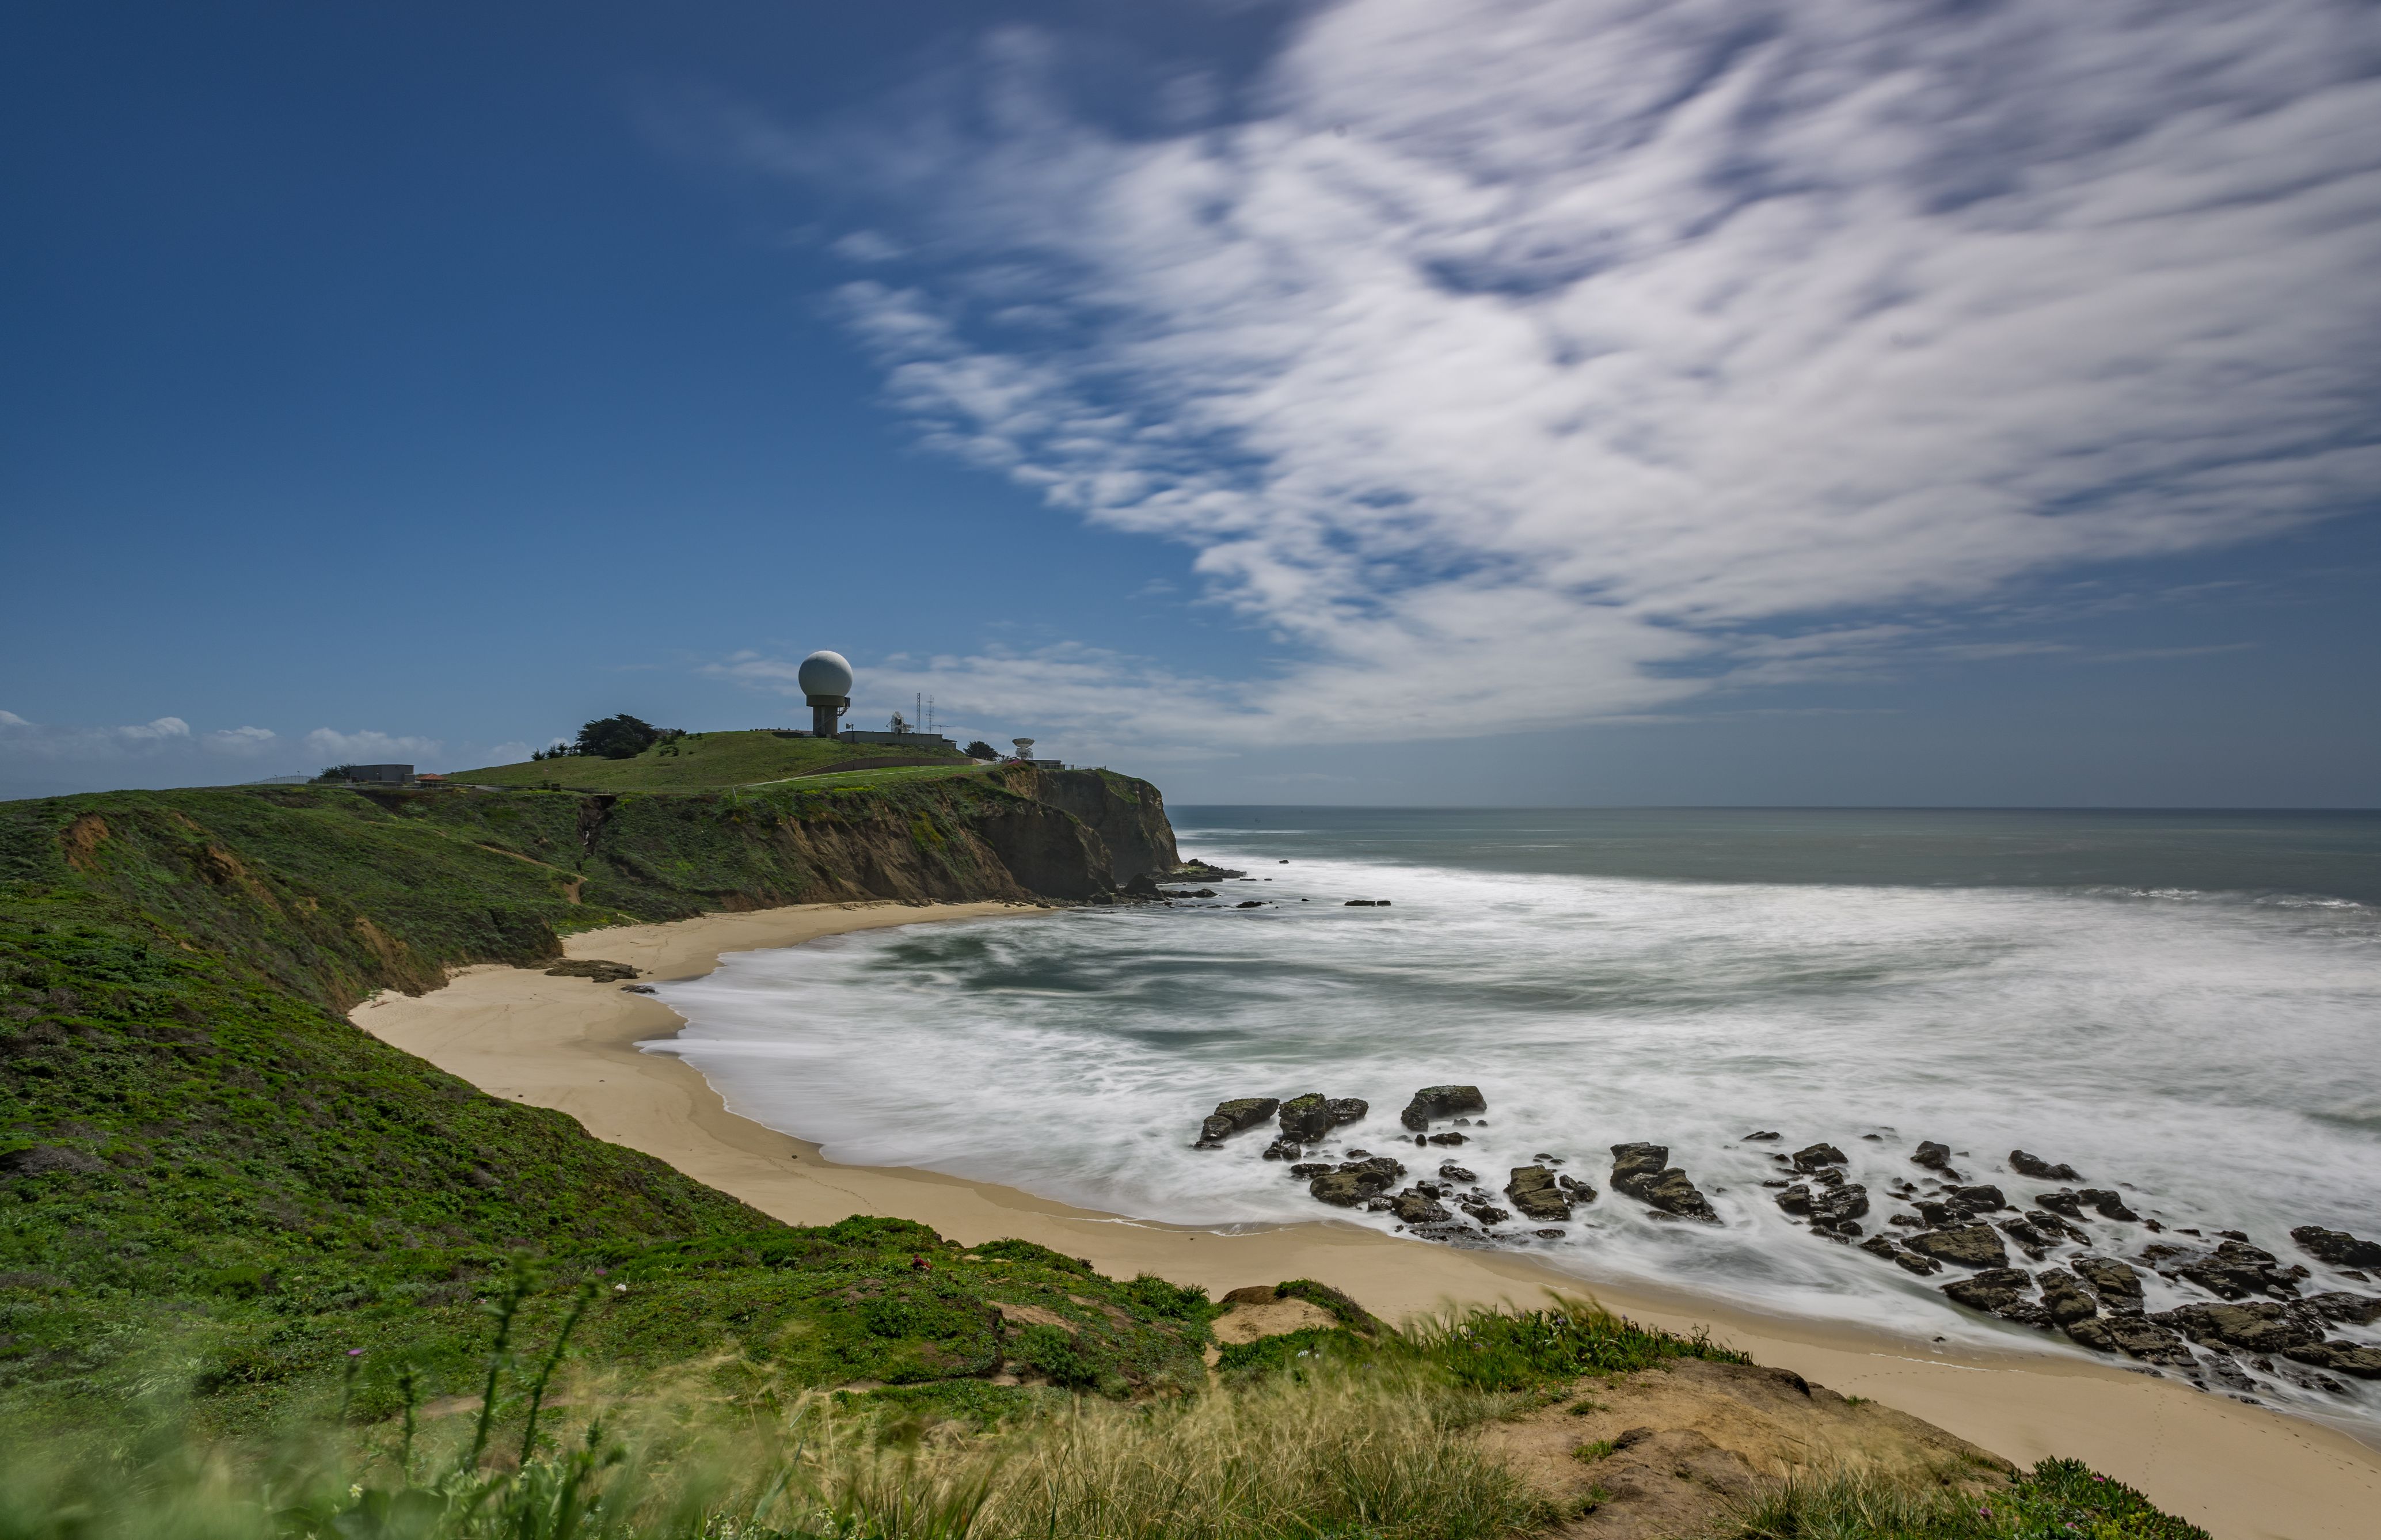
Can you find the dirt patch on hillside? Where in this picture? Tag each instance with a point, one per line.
(1669, 1452)
(80, 841)
(1246, 1323)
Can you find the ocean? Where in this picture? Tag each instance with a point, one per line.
(2186, 1006)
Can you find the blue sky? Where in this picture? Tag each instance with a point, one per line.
(1833, 403)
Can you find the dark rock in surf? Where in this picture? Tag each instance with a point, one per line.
(2133, 1336)
(1643, 1173)
(1453, 1172)
(2033, 1165)
(2346, 1358)
(1233, 1117)
(1356, 1181)
(1449, 1138)
(1307, 1170)
(1992, 1290)
(1533, 1191)
(1306, 1118)
(1348, 1110)
(2107, 1203)
(2030, 1240)
(1284, 1148)
(2064, 1297)
(1965, 1246)
(1489, 1213)
(1763, 1134)
(1817, 1156)
(1912, 1261)
(2337, 1247)
(2258, 1327)
(2052, 1225)
(2357, 1309)
(2118, 1286)
(1934, 1156)
(2061, 1203)
(1416, 1207)
(1441, 1101)
(1580, 1192)
(1982, 1198)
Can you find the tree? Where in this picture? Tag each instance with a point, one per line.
(622, 737)
(335, 773)
(980, 749)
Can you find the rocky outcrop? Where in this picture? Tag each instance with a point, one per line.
(2357, 1309)
(1533, 1191)
(1311, 1116)
(1128, 816)
(2259, 1327)
(2346, 1358)
(2064, 1296)
(2133, 1336)
(2337, 1247)
(2107, 1203)
(2119, 1287)
(1817, 1156)
(1643, 1172)
(1441, 1101)
(2235, 1270)
(1233, 1117)
(1934, 1156)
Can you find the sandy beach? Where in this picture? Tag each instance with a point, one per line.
(570, 1044)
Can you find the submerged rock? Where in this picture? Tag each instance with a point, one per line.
(1533, 1191)
(2061, 1203)
(1762, 1135)
(1641, 1171)
(1450, 1137)
(1489, 1213)
(1441, 1101)
(2033, 1165)
(2337, 1247)
(1965, 1245)
(1284, 1148)
(1580, 1192)
(1233, 1117)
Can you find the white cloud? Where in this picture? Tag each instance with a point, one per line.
(509, 753)
(333, 747)
(242, 742)
(1520, 363)
(38, 740)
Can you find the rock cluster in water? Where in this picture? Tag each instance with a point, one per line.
(2235, 1316)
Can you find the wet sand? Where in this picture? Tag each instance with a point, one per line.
(569, 1044)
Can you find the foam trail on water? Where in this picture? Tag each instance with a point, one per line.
(2214, 1054)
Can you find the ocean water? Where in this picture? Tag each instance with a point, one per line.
(2183, 1005)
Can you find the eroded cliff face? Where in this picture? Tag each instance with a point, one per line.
(1021, 833)
(1128, 816)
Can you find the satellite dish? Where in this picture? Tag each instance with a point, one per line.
(824, 673)
(1025, 747)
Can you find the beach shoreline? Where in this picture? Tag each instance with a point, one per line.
(572, 1045)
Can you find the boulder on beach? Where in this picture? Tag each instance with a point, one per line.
(1414, 1208)
(1643, 1172)
(2033, 1165)
(1441, 1101)
(1233, 1117)
(1533, 1191)
(2337, 1247)
(592, 968)
(1963, 1246)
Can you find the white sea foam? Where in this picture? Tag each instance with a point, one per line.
(2215, 1057)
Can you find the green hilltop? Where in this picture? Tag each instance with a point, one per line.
(714, 761)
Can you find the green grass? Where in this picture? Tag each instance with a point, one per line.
(1540, 1350)
(209, 1181)
(886, 776)
(2058, 1499)
(699, 762)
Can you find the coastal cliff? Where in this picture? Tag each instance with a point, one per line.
(340, 893)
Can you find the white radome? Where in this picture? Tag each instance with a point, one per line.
(824, 673)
